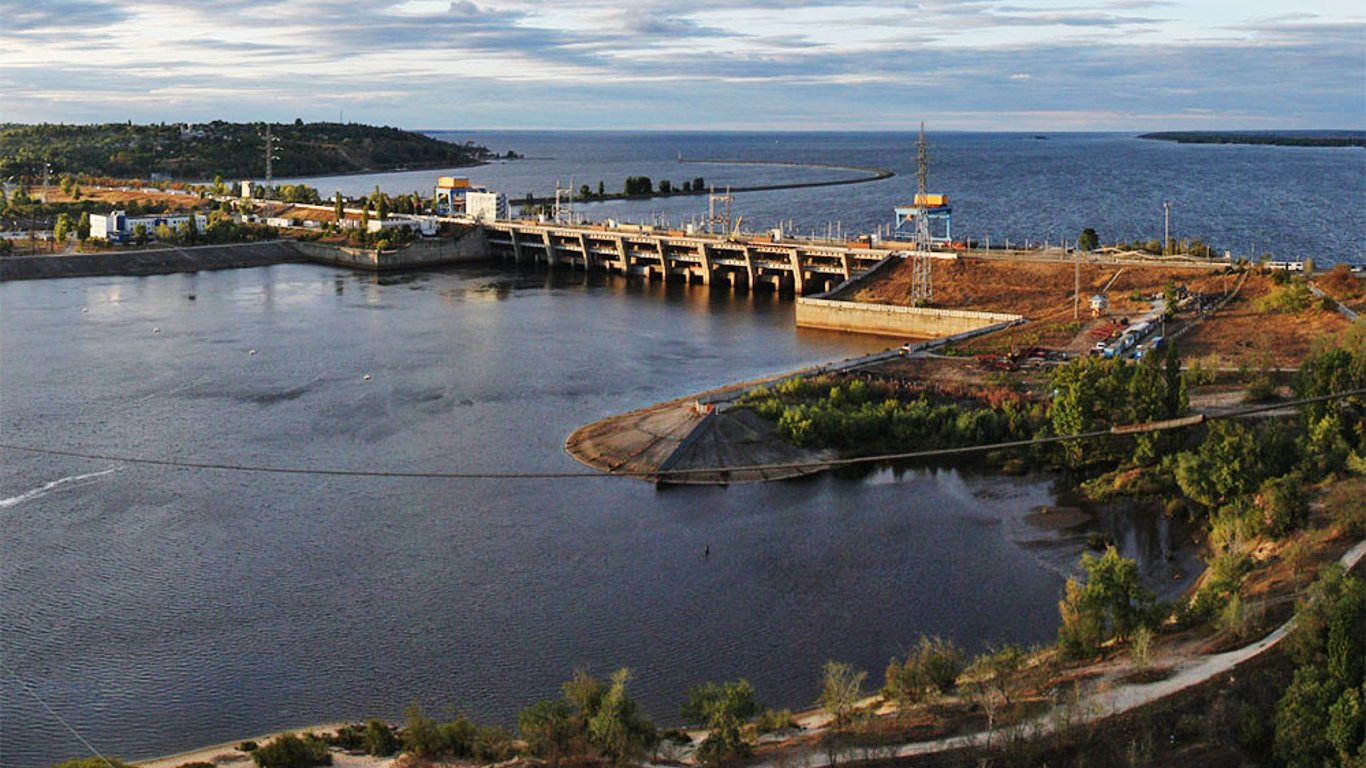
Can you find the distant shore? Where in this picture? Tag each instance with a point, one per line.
(1267, 138)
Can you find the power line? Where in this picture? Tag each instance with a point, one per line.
(1159, 426)
(24, 684)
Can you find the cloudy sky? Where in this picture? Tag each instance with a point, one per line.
(696, 64)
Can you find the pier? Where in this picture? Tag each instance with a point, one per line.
(749, 262)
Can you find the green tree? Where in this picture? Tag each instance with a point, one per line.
(337, 208)
(1227, 464)
(1076, 397)
(1113, 602)
(697, 183)
(140, 234)
(602, 189)
(585, 192)
(83, 227)
(381, 204)
(665, 186)
(1088, 240)
(841, 688)
(618, 729)
(1319, 719)
(724, 709)
(638, 185)
(62, 229)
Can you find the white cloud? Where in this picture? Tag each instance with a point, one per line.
(723, 63)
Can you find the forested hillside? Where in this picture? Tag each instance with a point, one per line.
(231, 150)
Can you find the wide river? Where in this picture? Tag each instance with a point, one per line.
(154, 609)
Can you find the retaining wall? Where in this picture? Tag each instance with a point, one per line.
(888, 320)
(472, 246)
(159, 261)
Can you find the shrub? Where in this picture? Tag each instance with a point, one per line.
(247, 746)
(349, 737)
(931, 668)
(1141, 649)
(290, 751)
(379, 739)
(774, 720)
(1345, 508)
(1283, 502)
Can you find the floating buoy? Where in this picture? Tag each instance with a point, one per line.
(156, 329)
(84, 310)
(251, 352)
(366, 377)
(190, 297)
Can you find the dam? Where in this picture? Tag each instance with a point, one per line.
(748, 262)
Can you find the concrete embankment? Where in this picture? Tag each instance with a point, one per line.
(472, 246)
(150, 262)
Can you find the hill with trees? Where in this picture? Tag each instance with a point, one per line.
(232, 150)
(1274, 138)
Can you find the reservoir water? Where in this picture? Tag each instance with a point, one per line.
(155, 609)
(1292, 202)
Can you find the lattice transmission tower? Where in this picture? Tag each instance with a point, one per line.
(922, 288)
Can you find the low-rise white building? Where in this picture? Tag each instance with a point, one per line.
(483, 205)
(119, 227)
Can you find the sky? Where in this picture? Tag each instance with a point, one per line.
(691, 64)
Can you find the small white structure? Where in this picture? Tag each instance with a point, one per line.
(246, 189)
(1099, 303)
(422, 225)
(483, 205)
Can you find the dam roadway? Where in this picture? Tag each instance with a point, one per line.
(802, 266)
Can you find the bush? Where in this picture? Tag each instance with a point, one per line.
(1284, 503)
(379, 739)
(774, 720)
(247, 746)
(290, 751)
(1345, 508)
(931, 668)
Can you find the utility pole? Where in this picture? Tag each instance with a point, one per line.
(1166, 227)
(713, 218)
(271, 157)
(1076, 286)
(922, 289)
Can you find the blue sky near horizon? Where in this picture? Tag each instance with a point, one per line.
(700, 64)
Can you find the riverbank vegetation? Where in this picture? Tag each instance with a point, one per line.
(234, 150)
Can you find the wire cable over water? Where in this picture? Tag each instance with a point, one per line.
(584, 474)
